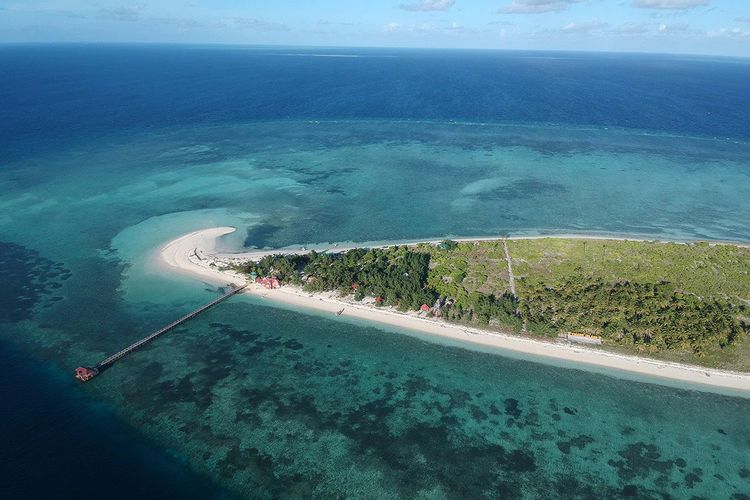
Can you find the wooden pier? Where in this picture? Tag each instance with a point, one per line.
(86, 373)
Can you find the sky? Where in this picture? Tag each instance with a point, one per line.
(712, 27)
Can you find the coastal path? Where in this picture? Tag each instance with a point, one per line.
(511, 278)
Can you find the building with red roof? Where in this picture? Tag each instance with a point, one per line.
(270, 283)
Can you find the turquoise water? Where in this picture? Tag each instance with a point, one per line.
(277, 402)
(271, 402)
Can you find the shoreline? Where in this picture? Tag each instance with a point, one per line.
(193, 254)
(228, 258)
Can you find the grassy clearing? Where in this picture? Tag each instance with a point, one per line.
(474, 267)
(701, 269)
(679, 302)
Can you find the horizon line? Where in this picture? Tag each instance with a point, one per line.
(273, 46)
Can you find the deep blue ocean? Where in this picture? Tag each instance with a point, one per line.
(107, 152)
(72, 91)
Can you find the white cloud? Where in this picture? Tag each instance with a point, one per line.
(652, 29)
(673, 28)
(584, 27)
(632, 29)
(733, 33)
(536, 6)
(409, 28)
(743, 19)
(182, 23)
(669, 4)
(392, 28)
(124, 13)
(441, 28)
(252, 23)
(460, 29)
(428, 5)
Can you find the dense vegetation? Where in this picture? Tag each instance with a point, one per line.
(649, 317)
(652, 297)
(396, 274)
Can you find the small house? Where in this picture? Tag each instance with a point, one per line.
(269, 283)
(424, 308)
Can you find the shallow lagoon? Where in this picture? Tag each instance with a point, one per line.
(275, 401)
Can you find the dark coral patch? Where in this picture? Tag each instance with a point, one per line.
(693, 478)
(262, 235)
(640, 460)
(478, 414)
(521, 461)
(293, 345)
(27, 279)
(517, 461)
(416, 385)
(252, 351)
(226, 331)
(531, 419)
(512, 408)
(579, 442)
(630, 490)
(553, 406)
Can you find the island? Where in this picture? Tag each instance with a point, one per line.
(679, 310)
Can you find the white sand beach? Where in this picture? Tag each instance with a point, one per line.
(194, 254)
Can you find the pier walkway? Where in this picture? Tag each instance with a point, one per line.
(86, 373)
